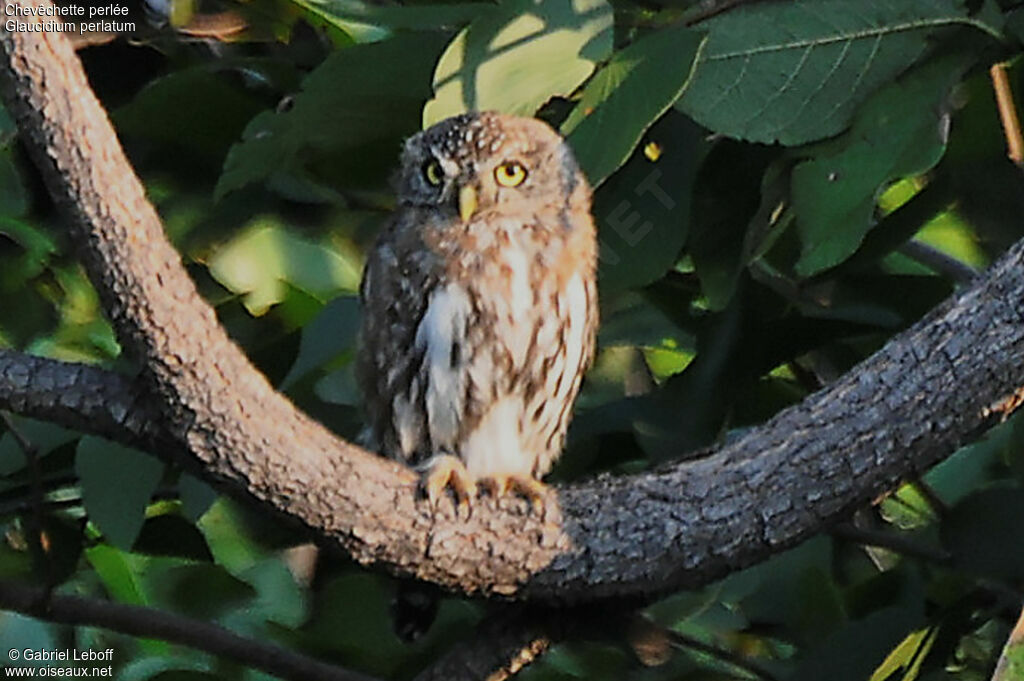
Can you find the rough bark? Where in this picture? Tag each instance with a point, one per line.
(502, 645)
(914, 402)
(79, 396)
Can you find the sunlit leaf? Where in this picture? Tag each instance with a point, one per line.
(907, 656)
(260, 261)
(230, 544)
(119, 572)
(367, 22)
(520, 55)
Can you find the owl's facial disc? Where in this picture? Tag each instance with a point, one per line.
(481, 166)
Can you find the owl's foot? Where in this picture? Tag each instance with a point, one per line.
(533, 490)
(449, 472)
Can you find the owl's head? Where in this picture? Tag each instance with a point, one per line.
(487, 163)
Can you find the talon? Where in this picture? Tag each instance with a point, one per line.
(496, 485)
(533, 490)
(449, 472)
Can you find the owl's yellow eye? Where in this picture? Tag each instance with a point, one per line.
(510, 174)
(432, 172)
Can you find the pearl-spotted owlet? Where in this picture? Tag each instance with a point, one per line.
(480, 307)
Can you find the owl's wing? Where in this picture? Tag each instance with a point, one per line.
(399, 277)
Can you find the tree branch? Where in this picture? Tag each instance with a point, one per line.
(78, 396)
(150, 623)
(502, 646)
(938, 262)
(931, 388)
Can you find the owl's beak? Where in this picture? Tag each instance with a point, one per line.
(467, 202)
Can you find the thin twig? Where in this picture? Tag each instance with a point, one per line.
(1008, 114)
(727, 656)
(893, 542)
(144, 622)
(939, 262)
(711, 8)
(939, 506)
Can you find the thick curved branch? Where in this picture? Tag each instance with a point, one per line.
(149, 623)
(930, 389)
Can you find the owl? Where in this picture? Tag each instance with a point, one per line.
(480, 307)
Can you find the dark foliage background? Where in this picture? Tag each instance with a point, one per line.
(781, 186)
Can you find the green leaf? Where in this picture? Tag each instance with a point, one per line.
(18, 632)
(854, 652)
(196, 496)
(908, 508)
(1015, 24)
(362, 100)
(896, 133)
(781, 583)
(119, 572)
(793, 72)
(980, 529)
(339, 387)
(632, 320)
(230, 544)
(520, 55)
(8, 128)
(117, 484)
(907, 656)
(331, 333)
(200, 590)
(279, 599)
(145, 668)
(643, 211)
(165, 112)
(626, 96)
(727, 195)
(36, 249)
(260, 261)
(45, 437)
(973, 465)
(13, 201)
(368, 641)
